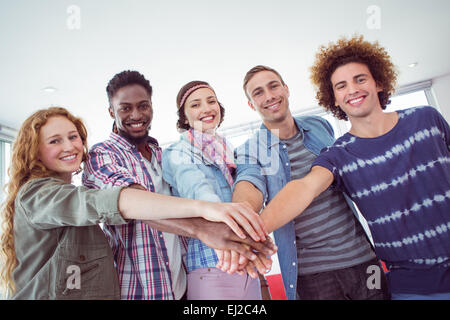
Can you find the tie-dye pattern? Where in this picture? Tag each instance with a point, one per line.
(401, 183)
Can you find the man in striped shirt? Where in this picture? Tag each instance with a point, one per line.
(394, 165)
(148, 260)
(324, 253)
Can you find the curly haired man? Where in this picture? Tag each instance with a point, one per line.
(394, 165)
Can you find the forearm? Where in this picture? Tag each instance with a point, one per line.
(213, 234)
(286, 205)
(245, 191)
(182, 226)
(187, 227)
(144, 205)
(295, 197)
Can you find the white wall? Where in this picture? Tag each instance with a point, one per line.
(441, 89)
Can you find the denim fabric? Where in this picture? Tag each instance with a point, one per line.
(263, 160)
(190, 175)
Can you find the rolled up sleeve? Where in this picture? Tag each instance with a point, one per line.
(49, 203)
(249, 169)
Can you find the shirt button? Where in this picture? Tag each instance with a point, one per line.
(293, 263)
(291, 286)
(287, 164)
(284, 147)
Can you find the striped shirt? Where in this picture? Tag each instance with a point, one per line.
(329, 237)
(148, 261)
(401, 183)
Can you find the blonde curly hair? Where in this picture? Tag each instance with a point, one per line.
(344, 51)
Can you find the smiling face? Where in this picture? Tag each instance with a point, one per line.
(131, 108)
(60, 147)
(268, 96)
(355, 90)
(202, 110)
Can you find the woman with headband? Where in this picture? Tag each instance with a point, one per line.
(201, 166)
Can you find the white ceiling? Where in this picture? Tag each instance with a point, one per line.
(173, 42)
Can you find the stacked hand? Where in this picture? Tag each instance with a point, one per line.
(232, 261)
(235, 215)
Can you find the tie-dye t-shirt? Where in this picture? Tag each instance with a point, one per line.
(401, 183)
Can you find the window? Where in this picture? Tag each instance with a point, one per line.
(7, 135)
(408, 100)
(5, 158)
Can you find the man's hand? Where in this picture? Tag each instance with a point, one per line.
(216, 235)
(220, 236)
(236, 215)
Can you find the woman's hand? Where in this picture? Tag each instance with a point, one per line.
(230, 261)
(236, 215)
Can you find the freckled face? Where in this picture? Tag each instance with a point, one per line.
(60, 147)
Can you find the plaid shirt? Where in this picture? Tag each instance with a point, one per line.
(141, 253)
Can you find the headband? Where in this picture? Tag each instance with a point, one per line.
(192, 89)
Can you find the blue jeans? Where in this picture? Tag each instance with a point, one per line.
(431, 296)
(353, 283)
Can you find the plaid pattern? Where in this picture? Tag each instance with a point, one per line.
(139, 251)
(199, 255)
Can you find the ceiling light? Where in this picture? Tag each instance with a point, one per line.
(413, 65)
(49, 89)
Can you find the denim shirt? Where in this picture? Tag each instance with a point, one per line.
(263, 160)
(190, 175)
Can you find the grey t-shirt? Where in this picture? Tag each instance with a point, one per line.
(328, 235)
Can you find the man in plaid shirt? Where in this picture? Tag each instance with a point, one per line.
(149, 261)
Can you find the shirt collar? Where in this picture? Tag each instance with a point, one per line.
(125, 144)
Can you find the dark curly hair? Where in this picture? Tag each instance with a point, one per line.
(328, 59)
(181, 123)
(124, 79)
